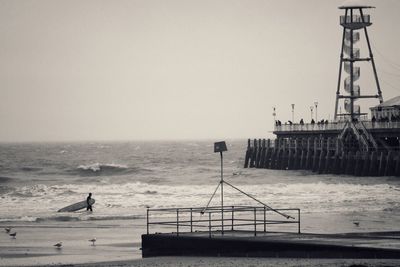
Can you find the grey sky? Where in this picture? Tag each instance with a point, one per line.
(129, 70)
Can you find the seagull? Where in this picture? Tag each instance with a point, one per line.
(13, 235)
(8, 229)
(356, 223)
(93, 240)
(58, 245)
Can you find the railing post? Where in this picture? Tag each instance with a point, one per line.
(177, 221)
(265, 220)
(298, 214)
(191, 220)
(147, 219)
(255, 222)
(233, 207)
(209, 224)
(222, 220)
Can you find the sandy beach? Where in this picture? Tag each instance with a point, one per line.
(34, 243)
(119, 241)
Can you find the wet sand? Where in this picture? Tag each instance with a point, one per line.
(34, 243)
(119, 242)
(245, 262)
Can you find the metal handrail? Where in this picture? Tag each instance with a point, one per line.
(245, 216)
(369, 136)
(336, 126)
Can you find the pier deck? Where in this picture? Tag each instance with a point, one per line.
(273, 244)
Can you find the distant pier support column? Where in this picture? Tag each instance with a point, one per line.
(248, 154)
(382, 165)
(358, 164)
(366, 164)
(397, 168)
(350, 163)
(389, 164)
(373, 169)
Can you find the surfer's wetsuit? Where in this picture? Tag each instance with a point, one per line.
(89, 207)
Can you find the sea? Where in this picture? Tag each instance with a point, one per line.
(126, 178)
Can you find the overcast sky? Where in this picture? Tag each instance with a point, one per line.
(176, 69)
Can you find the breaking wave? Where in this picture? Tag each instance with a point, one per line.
(100, 169)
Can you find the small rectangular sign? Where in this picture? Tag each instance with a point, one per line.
(220, 146)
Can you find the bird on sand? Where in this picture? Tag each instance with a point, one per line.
(356, 223)
(93, 240)
(7, 229)
(13, 235)
(58, 245)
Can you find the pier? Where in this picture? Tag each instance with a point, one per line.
(362, 148)
(352, 143)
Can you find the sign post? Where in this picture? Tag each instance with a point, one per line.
(221, 147)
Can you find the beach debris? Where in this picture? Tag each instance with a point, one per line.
(7, 229)
(356, 224)
(13, 235)
(58, 245)
(93, 240)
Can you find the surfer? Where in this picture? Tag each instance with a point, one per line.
(89, 206)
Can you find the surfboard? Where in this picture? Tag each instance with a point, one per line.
(77, 206)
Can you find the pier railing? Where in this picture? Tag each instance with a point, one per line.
(231, 218)
(311, 126)
(335, 126)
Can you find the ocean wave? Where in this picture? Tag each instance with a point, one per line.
(150, 192)
(5, 189)
(4, 179)
(99, 169)
(114, 200)
(29, 191)
(30, 169)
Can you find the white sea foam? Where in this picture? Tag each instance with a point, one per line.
(99, 166)
(116, 199)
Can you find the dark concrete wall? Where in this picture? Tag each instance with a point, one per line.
(172, 245)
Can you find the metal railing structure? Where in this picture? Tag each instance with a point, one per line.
(336, 126)
(311, 126)
(256, 219)
(355, 19)
(367, 134)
